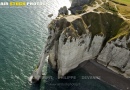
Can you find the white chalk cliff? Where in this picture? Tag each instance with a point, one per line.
(103, 36)
(99, 32)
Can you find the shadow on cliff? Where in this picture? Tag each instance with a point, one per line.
(76, 80)
(36, 86)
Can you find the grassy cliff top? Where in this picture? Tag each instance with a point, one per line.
(127, 2)
(108, 18)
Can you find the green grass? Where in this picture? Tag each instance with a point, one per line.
(124, 1)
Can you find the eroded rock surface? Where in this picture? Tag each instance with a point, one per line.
(101, 33)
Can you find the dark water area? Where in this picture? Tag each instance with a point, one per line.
(78, 79)
(23, 34)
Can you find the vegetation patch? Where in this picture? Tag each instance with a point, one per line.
(122, 2)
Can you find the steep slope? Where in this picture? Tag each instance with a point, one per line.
(99, 31)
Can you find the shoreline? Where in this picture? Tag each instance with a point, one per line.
(107, 75)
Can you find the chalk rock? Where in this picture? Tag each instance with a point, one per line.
(76, 38)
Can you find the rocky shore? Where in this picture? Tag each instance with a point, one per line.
(92, 34)
(96, 30)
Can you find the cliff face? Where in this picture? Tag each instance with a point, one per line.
(99, 32)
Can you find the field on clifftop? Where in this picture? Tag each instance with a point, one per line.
(124, 1)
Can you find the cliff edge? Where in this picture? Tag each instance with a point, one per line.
(96, 30)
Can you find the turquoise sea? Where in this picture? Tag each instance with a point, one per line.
(23, 33)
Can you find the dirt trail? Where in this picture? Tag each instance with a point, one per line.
(120, 14)
(97, 5)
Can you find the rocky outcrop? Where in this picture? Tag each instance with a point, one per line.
(77, 5)
(81, 39)
(101, 34)
(63, 11)
(114, 57)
